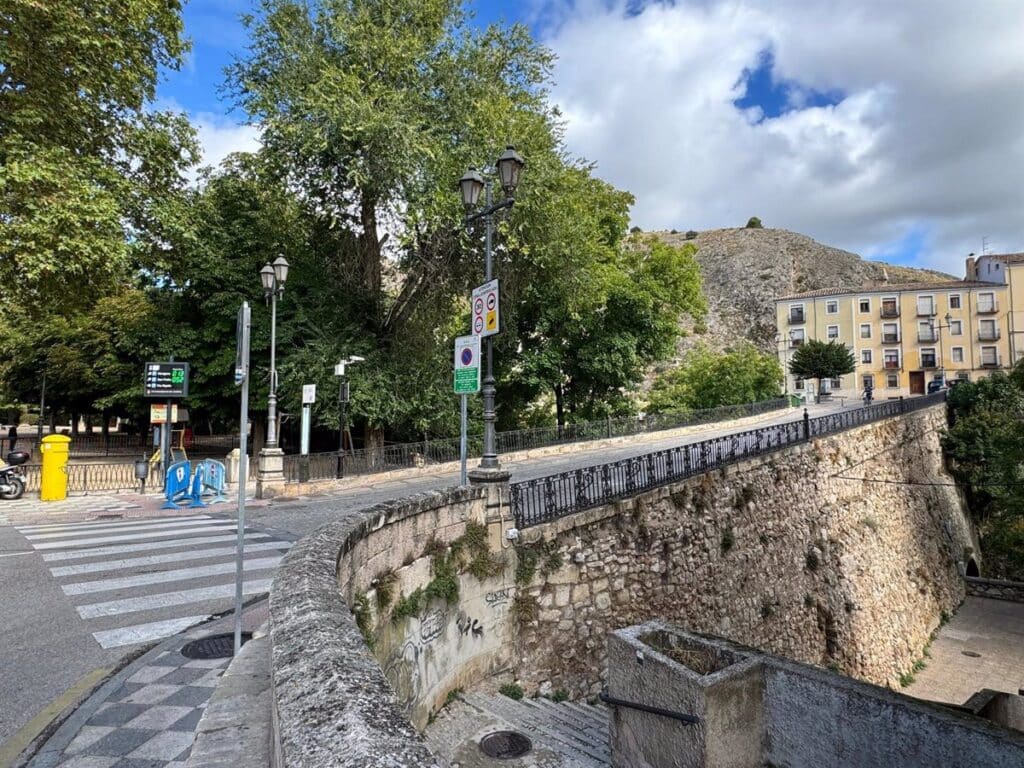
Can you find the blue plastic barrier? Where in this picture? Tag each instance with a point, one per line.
(214, 480)
(176, 486)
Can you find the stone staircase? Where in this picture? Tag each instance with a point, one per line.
(578, 732)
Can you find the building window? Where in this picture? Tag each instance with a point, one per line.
(928, 358)
(986, 303)
(837, 383)
(799, 384)
(833, 332)
(989, 357)
(890, 333)
(891, 358)
(956, 327)
(890, 308)
(892, 380)
(925, 306)
(957, 354)
(865, 331)
(868, 380)
(926, 332)
(865, 356)
(954, 301)
(796, 337)
(987, 330)
(963, 375)
(865, 305)
(796, 313)
(831, 307)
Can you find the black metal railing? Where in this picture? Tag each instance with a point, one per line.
(549, 498)
(367, 461)
(120, 444)
(97, 478)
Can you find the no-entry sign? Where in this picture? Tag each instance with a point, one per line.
(486, 309)
(467, 365)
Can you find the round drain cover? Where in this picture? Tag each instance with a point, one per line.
(505, 745)
(214, 646)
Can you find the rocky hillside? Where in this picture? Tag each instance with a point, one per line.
(744, 270)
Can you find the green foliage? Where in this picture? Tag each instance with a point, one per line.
(525, 608)
(985, 448)
(819, 360)
(560, 695)
(753, 223)
(361, 610)
(512, 690)
(707, 379)
(691, 234)
(385, 590)
(728, 539)
(544, 554)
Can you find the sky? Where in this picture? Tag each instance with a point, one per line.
(891, 129)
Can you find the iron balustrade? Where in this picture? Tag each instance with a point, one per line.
(93, 478)
(366, 461)
(549, 498)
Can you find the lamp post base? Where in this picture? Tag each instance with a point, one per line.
(482, 475)
(270, 473)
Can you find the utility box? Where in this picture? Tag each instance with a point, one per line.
(53, 485)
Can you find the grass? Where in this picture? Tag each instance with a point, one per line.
(512, 690)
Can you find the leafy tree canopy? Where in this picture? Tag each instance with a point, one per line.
(707, 379)
(819, 360)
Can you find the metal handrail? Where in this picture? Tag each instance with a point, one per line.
(680, 716)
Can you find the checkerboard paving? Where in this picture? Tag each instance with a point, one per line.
(150, 720)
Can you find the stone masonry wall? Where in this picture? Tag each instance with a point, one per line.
(792, 553)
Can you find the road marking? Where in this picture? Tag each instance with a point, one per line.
(14, 554)
(28, 733)
(147, 546)
(141, 633)
(225, 526)
(167, 599)
(173, 557)
(180, 574)
(153, 526)
(104, 523)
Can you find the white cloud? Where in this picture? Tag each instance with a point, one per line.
(219, 137)
(929, 139)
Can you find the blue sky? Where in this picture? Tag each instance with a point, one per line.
(854, 122)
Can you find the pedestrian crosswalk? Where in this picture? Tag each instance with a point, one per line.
(135, 581)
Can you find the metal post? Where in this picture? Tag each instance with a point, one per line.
(489, 459)
(272, 397)
(462, 445)
(807, 425)
(42, 413)
(342, 402)
(166, 439)
(243, 479)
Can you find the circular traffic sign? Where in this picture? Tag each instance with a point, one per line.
(478, 305)
(478, 323)
(467, 356)
(491, 298)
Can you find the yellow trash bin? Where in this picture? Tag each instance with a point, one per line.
(53, 486)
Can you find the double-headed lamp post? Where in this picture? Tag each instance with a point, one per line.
(273, 277)
(507, 169)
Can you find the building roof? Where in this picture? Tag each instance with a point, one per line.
(1009, 258)
(949, 285)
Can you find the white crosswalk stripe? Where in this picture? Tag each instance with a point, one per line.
(156, 577)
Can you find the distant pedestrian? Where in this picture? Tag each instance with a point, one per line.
(12, 436)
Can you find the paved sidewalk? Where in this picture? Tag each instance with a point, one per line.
(146, 715)
(982, 646)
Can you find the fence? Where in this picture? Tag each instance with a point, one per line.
(119, 444)
(549, 498)
(323, 466)
(93, 478)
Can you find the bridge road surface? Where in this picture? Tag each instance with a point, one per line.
(78, 598)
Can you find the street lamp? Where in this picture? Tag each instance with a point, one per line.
(507, 169)
(343, 398)
(942, 363)
(271, 467)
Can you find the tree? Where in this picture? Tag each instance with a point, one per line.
(821, 360)
(753, 223)
(87, 173)
(707, 379)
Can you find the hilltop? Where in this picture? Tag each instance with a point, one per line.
(744, 270)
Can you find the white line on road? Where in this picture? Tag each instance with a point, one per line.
(167, 599)
(180, 574)
(152, 526)
(225, 526)
(141, 633)
(13, 554)
(84, 526)
(173, 557)
(148, 546)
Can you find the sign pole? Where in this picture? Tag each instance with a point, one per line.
(242, 377)
(462, 445)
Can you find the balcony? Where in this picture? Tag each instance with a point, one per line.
(889, 312)
(987, 307)
(796, 318)
(929, 362)
(927, 337)
(990, 362)
(890, 338)
(926, 311)
(892, 365)
(989, 335)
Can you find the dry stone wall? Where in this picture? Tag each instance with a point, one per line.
(841, 552)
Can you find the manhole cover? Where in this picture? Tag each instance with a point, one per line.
(505, 745)
(214, 646)
(972, 654)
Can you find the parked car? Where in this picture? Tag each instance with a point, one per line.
(935, 386)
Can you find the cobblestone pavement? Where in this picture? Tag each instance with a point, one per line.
(982, 646)
(146, 715)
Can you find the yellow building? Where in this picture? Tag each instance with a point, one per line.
(905, 336)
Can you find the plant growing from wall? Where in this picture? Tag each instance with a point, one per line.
(361, 610)
(542, 554)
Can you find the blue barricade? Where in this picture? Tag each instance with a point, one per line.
(176, 486)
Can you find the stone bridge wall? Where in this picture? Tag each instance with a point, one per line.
(784, 553)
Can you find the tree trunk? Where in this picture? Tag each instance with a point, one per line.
(75, 417)
(373, 444)
(559, 408)
(369, 252)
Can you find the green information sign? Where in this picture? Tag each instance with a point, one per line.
(467, 365)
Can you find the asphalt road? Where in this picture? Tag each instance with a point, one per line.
(47, 647)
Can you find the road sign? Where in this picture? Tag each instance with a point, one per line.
(158, 414)
(308, 394)
(467, 364)
(166, 380)
(242, 325)
(486, 305)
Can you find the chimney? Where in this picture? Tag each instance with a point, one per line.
(971, 271)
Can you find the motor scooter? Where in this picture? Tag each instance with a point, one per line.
(12, 476)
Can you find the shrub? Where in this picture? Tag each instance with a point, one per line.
(753, 223)
(511, 690)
